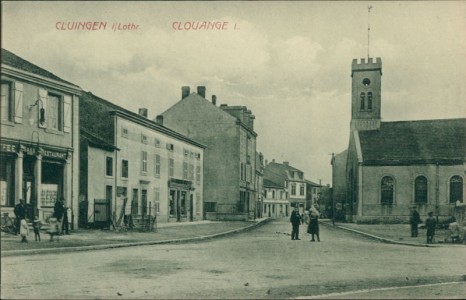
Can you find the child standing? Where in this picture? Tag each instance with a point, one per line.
(36, 226)
(24, 230)
(54, 229)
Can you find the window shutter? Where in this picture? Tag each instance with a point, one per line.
(67, 113)
(43, 98)
(18, 102)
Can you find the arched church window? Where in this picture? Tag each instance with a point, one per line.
(369, 101)
(362, 97)
(386, 190)
(420, 189)
(456, 189)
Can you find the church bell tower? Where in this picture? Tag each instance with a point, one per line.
(365, 95)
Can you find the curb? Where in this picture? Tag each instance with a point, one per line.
(374, 237)
(121, 245)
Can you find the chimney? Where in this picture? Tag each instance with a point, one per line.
(266, 162)
(214, 100)
(286, 163)
(184, 92)
(159, 119)
(273, 160)
(143, 112)
(201, 91)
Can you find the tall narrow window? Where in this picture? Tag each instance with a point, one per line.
(171, 167)
(53, 112)
(420, 189)
(6, 103)
(144, 162)
(157, 165)
(362, 100)
(369, 101)
(191, 172)
(386, 190)
(198, 175)
(109, 166)
(301, 190)
(185, 170)
(293, 189)
(124, 168)
(456, 189)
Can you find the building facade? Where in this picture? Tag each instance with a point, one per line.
(259, 186)
(391, 166)
(276, 202)
(230, 157)
(137, 166)
(292, 179)
(39, 139)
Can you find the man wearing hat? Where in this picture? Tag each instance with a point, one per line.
(430, 226)
(414, 220)
(20, 213)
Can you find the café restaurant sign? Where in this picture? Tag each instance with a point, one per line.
(13, 148)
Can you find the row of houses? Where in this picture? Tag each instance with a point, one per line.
(197, 160)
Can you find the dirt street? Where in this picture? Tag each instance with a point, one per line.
(262, 263)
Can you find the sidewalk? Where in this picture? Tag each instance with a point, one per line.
(394, 233)
(93, 239)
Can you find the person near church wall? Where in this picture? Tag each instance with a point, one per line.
(430, 226)
(414, 221)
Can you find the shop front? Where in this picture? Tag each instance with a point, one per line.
(180, 200)
(35, 173)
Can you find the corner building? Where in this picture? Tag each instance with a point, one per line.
(39, 139)
(230, 191)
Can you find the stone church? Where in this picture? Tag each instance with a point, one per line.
(392, 166)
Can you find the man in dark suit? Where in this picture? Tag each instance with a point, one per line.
(20, 213)
(295, 220)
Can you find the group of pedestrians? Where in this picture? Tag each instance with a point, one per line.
(58, 223)
(415, 220)
(310, 218)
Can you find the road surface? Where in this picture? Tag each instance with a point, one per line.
(262, 263)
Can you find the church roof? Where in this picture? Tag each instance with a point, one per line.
(415, 142)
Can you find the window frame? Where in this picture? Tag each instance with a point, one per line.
(10, 102)
(424, 197)
(391, 199)
(124, 168)
(460, 188)
(108, 166)
(59, 109)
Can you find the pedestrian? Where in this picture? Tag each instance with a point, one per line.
(295, 220)
(20, 213)
(58, 212)
(54, 229)
(24, 230)
(36, 224)
(65, 224)
(430, 226)
(313, 227)
(414, 220)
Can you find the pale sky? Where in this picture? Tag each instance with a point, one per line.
(289, 62)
